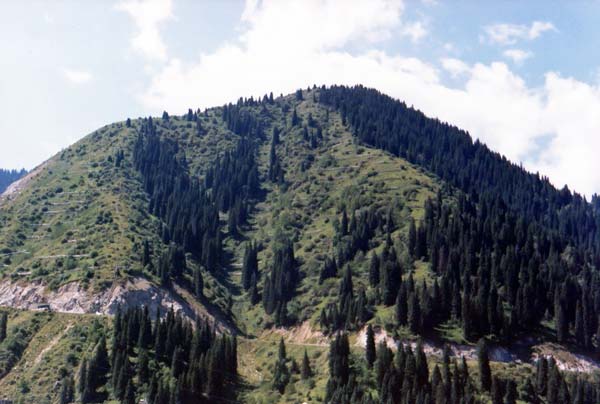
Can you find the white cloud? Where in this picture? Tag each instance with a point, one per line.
(275, 52)
(518, 56)
(455, 67)
(509, 34)
(148, 15)
(77, 76)
(415, 31)
(539, 27)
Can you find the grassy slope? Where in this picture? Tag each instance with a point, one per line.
(83, 207)
(342, 173)
(54, 350)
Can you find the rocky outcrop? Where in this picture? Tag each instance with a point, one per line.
(73, 298)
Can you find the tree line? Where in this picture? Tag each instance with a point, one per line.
(166, 361)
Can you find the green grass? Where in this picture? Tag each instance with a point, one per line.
(257, 359)
(52, 351)
(342, 173)
(82, 206)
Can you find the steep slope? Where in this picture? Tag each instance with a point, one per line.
(301, 218)
(75, 223)
(7, 177)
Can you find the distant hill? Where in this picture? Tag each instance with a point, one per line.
(335, 219)
(7, 177)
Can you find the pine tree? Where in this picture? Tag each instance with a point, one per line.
(374, 275)
(295, 118)
(67, 390)
(3, 325)
(346, 286)
(371, 352)
(82, 377)
(344, 223)
(99, 365)
(414, 313)
(281, 374)
(282, 355)
(561, 322)
(129, 394)
(579, 324)
(412, 238)
(329, 269)
(421, 365)
(541, 377)
(198, 283)
(249, 265)
(143, 370)
(339, 365)
(306, 369)
(401, 306)
(483, 360)
(254, 297)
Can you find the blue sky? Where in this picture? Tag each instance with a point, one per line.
(523, 77)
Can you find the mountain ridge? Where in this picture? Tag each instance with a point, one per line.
(305, 217)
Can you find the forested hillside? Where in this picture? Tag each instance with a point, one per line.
(7, 177)
(332, 245)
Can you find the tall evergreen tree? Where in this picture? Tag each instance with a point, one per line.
(281, 374)
(198, 283)
(82, 377)
(67, 390)
(306, 371)
(370, 353)
(483, 361)
(3, 325)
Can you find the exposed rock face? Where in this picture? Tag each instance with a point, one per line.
(73, 298)
(137, 292)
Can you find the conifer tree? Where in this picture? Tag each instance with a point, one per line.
(143, 370)
(412, 238)
(3, 325)
(374, 275)
(198, 283)
(67, 390)
(370, 353)
(339, 365)
(414, 313)
(249, 265)
(497, 392)
(254, 297)
(401, 306)
(561, 322)
(82, 377)
(281, 374)
(129, 394)
(306, 369)
(483, 360)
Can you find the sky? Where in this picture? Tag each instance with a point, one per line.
(523, 77)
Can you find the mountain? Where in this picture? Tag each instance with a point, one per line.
(7, 177)
(272, 249)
